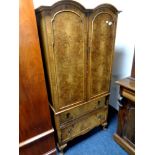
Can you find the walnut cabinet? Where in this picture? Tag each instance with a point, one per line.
(77, 50)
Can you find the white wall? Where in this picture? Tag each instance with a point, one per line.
(124, 45)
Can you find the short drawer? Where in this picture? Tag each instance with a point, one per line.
(81, 110)
(83, 124)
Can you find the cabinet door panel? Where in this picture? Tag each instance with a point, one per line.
(68, 51)
(129, 126)
(101, 43)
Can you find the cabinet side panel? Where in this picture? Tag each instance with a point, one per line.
(34, 116)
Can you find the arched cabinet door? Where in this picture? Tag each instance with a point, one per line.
(64, 32)
(102, 27)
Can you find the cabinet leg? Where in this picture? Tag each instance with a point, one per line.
(61, 152)
(61, 148)
(104, 126)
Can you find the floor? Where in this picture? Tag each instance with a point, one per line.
(97, 141)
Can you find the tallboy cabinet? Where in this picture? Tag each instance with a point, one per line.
(77, 49)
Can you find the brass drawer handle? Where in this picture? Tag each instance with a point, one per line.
(69, 131)
(99, 116)
(68, 115)
(99, 102)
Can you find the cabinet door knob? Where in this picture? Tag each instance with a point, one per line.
(110, 23)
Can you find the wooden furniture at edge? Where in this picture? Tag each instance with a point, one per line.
(77, 48)
(125, 135)
(133, 66)
(35, 129)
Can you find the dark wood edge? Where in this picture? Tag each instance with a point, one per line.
(36, 138)
(52, 152)
(133, 65)
(132, 78)
(120, 83)
(124, 144)
(81, 7)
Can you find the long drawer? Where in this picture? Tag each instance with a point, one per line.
(76, 112)
(83, 124)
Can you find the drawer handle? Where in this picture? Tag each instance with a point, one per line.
(68, 115)
(99, 102)
(99, 116)
(69, 131)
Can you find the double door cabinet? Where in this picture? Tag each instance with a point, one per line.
(77, 50)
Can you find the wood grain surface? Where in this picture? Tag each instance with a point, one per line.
(34, 116)
(77, 48)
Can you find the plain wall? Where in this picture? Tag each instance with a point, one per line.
(124, 44)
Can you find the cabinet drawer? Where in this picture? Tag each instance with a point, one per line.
(83, 124)
(76, 112)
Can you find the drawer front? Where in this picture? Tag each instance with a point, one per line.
(129, 94)
(76, 112)
(83, 124)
